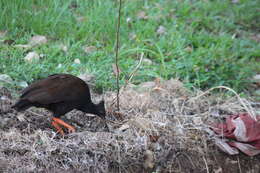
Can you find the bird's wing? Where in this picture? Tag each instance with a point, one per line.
(54, 89)
(37, 85)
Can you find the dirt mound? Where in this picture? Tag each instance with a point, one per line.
(161, 127)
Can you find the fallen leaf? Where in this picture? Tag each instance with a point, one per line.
(235, 1)
(118, 115)
(31, 56)
(9, 41)
(42, 55)
(132, 36)
(59, 66)
(197, 120)
(188, 49)
(4, 98)
(257, 93)
(115, 70)
(34, 41)
(37, 40)
(64, 48)
(141, 123)
(21, 117)
(25, 46)
(89, 49)
(129, 21)
(77, 61)
(256, 78)
(3, 33)
(23, 84)
(81, 19)
(148, 159)
(73, 5)
(123, 128)
(86, 77)
(142, 15)
(256, 37)
(161, 30)
(5, 78)
(219, 170)
(147, 61)
(153, 138)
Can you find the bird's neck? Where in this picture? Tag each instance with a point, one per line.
(90, 108)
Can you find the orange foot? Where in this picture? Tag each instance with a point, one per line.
(56, 122)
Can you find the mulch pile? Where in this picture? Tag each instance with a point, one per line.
(161, 127)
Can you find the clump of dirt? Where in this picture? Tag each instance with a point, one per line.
(161, 127)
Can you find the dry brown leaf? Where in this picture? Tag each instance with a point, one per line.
(142, 15)
(9, 41)
(89, 49)
(32, 56)
(161, 30)
(115, 72)
(154, 138)
(37, 40)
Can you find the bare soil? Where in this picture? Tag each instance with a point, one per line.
(159, 129)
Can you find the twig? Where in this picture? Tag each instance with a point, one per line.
(239, 166)
(34, 113)
(131, 76)
(251, 113)
(117, 49)
(207, 168)
(136, 68)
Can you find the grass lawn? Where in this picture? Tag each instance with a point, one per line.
(204, 43)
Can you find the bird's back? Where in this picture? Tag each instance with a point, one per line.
(55, 89)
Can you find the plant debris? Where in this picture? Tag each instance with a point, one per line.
(163, 128)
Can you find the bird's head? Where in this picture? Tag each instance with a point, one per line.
(100, 108)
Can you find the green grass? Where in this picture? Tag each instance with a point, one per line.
(207, 43)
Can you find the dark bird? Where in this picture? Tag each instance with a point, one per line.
(60, 93)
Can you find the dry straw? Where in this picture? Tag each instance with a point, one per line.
(161, 128)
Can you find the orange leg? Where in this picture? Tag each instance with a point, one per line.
(59, 129)
(60, 122)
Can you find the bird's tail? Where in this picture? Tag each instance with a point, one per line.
(21, 105)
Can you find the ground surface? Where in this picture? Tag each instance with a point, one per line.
(160, 129)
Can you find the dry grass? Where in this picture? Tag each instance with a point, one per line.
(161, 127)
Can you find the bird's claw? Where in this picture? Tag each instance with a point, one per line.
(71, 130)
